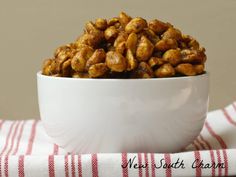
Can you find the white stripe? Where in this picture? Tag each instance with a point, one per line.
(231, 161)
(59, 166)
(107, 161)
(86, 165)
(76, 165)
(158, 160)
(36, 166)
(132, 171)
(3, 134)
(13, 166)
(206, 157)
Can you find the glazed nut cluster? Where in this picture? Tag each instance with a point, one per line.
(125, 47)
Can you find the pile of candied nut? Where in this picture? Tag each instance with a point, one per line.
(125, 47)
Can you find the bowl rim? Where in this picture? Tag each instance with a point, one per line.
(206, 74)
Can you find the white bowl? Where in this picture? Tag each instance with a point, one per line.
(123, 115)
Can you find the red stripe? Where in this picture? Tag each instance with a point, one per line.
(66, 166)
(124, 162)
(51, 169)
(212, 162)
(94, 165)
(198, 157)
(31, 139)
(13, 138)
(19, 138)
(205, 141)
(216, 136)
(79, 166)
(200, 144)
(195, 146)
(153, 165)
(140, 171)
(73, 165)
(55, 149)
(234, 106)
(221, 142)
(6, 166)
(2, 122)
(7, 138)
(225, 161)
(228, 117)
(219, 161)
(21, 170)
(146, 163)
(168, 161)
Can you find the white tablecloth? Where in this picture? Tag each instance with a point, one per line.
(25, 151)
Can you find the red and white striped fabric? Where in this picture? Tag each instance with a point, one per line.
(26, 151)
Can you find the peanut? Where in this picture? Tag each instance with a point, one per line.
(165, 70)
(126, 47)
(97, 70)
(115, 61)
(136, 25)
(144, 49)
(186, 69)
(172, 56)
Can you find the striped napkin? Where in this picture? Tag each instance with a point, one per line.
(26, 151)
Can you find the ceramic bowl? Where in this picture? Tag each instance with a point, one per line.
(123, 115)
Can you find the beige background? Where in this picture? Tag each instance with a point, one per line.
(31, 30)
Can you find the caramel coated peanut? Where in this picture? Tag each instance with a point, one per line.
(116, 61)
(166, 44)
(136, 25)
(131, 61)
(101, 23)
(165, 70)
(78, 62)
(172, 56)
(132, 42)
(144, 49)
(186, 69)
(158, 26)
(97, 70)
(98, 56)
